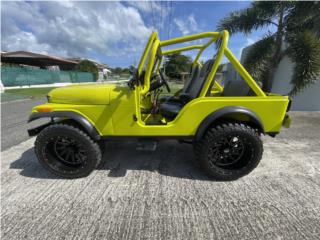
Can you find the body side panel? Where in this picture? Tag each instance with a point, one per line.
(117, 118)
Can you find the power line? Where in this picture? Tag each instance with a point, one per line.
(168, 10)
(170, 18)
(152, 12)
(161, 24)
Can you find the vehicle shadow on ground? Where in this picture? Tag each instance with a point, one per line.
(30, 167)
(169, 159)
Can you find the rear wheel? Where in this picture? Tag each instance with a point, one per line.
(67, 151)
(229, 151)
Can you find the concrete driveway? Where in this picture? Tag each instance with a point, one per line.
(14, 117)
(164, 194)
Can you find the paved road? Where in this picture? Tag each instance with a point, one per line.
(14, 116)
(164, 194)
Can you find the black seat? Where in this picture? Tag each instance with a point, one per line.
(172, 106)
(235, 88)
(193, 76)
(238, 88)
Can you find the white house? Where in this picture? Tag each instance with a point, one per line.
(307, 99)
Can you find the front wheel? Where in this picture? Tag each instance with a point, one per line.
(229, 151)
(67, 151)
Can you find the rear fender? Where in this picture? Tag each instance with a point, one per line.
(229, 113)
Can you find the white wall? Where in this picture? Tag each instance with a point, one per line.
(307, 99)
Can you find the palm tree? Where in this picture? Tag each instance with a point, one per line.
(297, 36)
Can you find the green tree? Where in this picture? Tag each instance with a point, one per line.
(117, 70)
(90, 67)
(297, 36)
(177, 63)
(125, 70)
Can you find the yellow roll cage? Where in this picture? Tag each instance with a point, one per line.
(154, 46)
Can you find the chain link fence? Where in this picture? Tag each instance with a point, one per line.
(18, 76)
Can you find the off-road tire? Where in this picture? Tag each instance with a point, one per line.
(102, 146)
(84, 148)
(213, 156)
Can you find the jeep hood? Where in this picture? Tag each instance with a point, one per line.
(88, 94)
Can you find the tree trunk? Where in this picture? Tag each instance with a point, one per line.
(277, 56)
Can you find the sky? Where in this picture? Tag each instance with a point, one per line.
(114, 32)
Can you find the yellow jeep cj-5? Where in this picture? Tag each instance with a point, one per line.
(224, 126)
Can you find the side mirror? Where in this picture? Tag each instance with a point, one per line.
(134, 77)
(132, 70)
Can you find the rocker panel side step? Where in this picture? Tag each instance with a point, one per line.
(147, 145)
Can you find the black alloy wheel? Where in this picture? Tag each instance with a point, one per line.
(229, 151)
(67, 151)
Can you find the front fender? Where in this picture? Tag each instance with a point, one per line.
(90, 129)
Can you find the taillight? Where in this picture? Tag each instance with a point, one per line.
(289, 105)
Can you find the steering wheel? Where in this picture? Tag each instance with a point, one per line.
(165, 82)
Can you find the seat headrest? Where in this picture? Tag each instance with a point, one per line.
(235, 88)
(194, 70)
(194, 74)
(206, 67)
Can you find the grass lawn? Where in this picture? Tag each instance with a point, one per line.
(24, 93)
(30, 92)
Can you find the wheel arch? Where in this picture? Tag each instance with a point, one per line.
(68, 116)
(231, 113)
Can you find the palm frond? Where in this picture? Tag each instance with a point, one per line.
(259, 14)
(258, 57)
(304, 50)
(269, 9)
(303, 15)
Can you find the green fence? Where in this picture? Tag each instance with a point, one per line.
(17, 76)
(118, 77)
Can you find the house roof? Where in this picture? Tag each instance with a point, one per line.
(34, 59)
(99, 65)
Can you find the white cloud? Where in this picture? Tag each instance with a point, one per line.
(157, 13)
(193, 23)
(73, 28)
(29, 43)
(146, 6)
(250, 41)
(187, 26)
